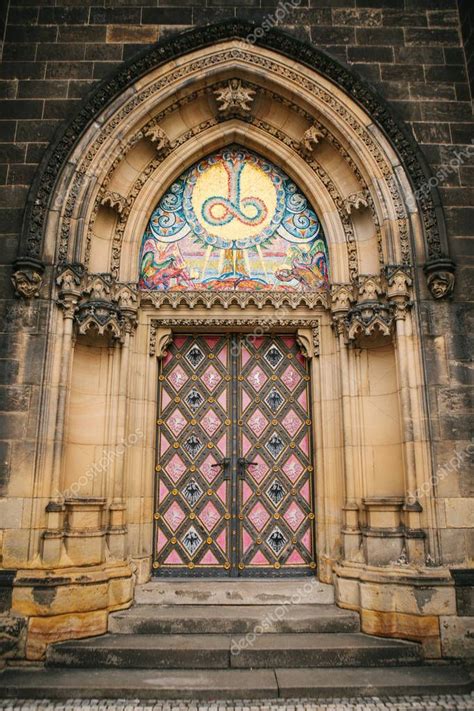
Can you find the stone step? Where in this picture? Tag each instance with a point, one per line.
(232, 619)
(212, 651)
(321, 650)
(229, 684)
(173, 591)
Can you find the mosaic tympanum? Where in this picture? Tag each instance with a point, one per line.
(234, 221)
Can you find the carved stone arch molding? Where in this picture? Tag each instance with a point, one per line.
(335, 114)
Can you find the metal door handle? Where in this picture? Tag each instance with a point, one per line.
(242, 465)
(224, 464)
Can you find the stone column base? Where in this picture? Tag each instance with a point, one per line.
(69, 603)
(403, 602)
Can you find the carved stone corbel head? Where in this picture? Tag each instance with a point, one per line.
(440, 277)
(27, 277)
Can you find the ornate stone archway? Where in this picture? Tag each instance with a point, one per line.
(296, 107)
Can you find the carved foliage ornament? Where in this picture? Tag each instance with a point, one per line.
(161, 328)
(114, 200)
(372, 306)
(311, 137)
(356, 201)
(226, 299)
(158, 137)
(96, 302)
(235, 98)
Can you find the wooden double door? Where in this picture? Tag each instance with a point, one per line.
(234, 472)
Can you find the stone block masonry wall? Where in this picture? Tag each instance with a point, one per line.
(466, 14)
(411, 51)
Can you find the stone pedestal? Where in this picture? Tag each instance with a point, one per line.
(351, 532)
(84, 534)
(383, 533)
(400, 601)
(52, 543)
(457, 633)
(117, 531)
(69, 603)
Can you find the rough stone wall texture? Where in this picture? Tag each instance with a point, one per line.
(410, 50)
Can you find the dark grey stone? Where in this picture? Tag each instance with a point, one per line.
(231, 619)
(213, 651)
(464, 586)
(6, 589)
(388, 681)
(231, 683)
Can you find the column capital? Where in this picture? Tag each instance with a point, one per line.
(97, 302)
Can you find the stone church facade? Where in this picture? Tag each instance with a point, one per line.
(327, 337)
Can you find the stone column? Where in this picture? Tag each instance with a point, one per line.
(399, 282)
(308, 341)
(70, 293)
(342, 297)
(117, 526)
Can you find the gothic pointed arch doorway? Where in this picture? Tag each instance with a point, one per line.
(344, 307)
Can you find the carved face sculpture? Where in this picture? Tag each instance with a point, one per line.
(27, 283)
(441, 284)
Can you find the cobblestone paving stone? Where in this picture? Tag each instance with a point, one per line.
(371, 703)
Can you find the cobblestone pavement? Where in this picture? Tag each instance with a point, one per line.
(374, 703)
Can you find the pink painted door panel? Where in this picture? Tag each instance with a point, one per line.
(193, 491)
(275, 490)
